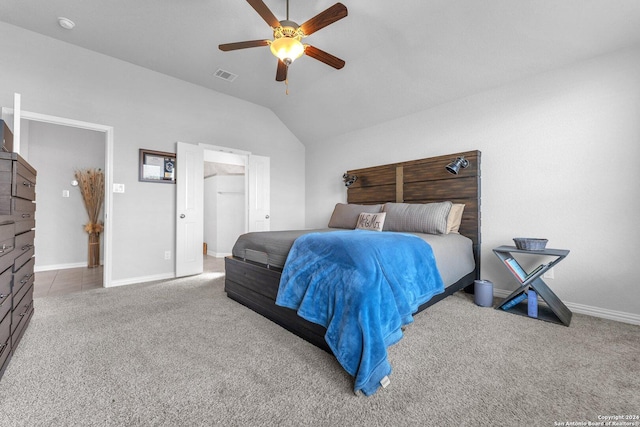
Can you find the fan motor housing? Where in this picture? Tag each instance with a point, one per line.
(288, 29)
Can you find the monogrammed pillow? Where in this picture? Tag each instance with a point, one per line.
(371, 221)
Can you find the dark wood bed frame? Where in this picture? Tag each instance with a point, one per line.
(419, 181)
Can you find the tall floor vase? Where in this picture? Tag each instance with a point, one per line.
(94, 250)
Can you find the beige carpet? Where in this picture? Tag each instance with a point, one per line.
(179, 353)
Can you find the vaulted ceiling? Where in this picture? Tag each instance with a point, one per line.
(401, 57)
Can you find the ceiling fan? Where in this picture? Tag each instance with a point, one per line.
(286, 44)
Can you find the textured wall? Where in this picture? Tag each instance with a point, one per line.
(558, 161)
(147, 110)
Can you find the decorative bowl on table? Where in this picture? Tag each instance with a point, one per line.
(530, 244)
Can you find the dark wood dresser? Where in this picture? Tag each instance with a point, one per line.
(17, 232)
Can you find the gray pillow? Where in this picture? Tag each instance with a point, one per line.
(418, 218)
(346, 215)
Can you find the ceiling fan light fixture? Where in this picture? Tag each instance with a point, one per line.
(287, 49)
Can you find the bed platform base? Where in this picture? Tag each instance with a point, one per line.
(255, 286)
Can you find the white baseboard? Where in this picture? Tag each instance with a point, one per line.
(38, 268)
(141, 279)
(619, 316)
(218, 254)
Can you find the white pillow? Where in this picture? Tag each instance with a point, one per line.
(371, 221)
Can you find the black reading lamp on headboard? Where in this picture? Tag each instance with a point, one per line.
(455, 166)
(349, 179)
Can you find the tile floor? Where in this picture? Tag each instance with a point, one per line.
(59, 282)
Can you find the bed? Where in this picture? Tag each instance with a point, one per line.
(254, 271)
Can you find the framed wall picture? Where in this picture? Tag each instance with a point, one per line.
(157, 166)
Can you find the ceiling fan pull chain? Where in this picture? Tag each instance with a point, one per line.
(286, 83)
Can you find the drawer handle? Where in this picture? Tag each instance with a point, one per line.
(26, 215)
(25, 279)
(2, 296)
(26, 310)
(2, 347)
(28, 184)
(25, 247)
(5, 248)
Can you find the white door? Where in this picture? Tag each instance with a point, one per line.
(259, 193)
(189, 213)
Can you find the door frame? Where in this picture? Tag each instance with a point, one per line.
(108, 177)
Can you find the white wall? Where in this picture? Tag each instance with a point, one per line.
(559, 161)
(147, 110)
(57, 152)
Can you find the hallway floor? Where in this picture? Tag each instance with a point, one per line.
(60, 282)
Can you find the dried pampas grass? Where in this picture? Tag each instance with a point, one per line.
(91, 184)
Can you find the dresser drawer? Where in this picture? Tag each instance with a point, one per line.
(25, 225)
(18, 294)
(6, 176)
(6, 306)
(5, 339)
(16, 336)
(24, 181)
(23, 258)
(5, 329)
(6, 253)
(22, 309)
(24, 241)
(7, 230)
(22, 208)
(23, 277)
(5, 292)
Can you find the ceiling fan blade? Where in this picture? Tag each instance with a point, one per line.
(281, 72)
(243, 45)
(264, 12)
(321, 20)
(323, 56)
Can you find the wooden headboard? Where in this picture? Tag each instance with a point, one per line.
(425, 181)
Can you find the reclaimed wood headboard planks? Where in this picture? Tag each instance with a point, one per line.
(425, 181)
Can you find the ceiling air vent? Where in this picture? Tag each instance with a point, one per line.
(225, 75)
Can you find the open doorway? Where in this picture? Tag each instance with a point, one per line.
(190, 204)
(57, 152)
(34, 125)
(224, 202)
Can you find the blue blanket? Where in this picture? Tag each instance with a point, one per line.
(362, 286)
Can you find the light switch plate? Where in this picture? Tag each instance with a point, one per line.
(118, 188)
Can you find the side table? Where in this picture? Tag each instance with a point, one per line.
(555, 311)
